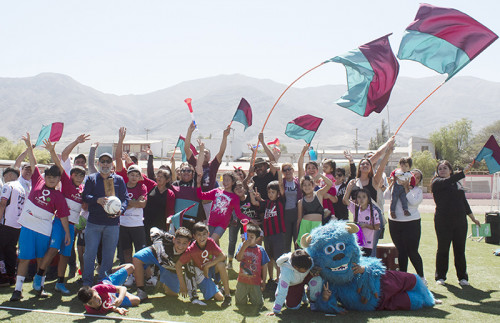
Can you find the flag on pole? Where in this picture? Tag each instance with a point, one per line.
(243, 113)
(444, 39)
(52, 132)
(178, 217)
(372, 70)
(491, 155)
(180, 143)
(275, 142)
(303, 127)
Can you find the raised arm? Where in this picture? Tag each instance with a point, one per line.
(20, 159)
(223, 144)
(348, 191)
(151, 167)
(119, 149)
(69, 148)
(280, 177)
(52, 150)
(268, 151)
(31, 155)
(381, 150)
(187, 141)
(377, 179)
(201, 159)
(301, 161)
(324, 190)
(91, 163)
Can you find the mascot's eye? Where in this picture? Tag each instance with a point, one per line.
(340, 246)
(329, 249)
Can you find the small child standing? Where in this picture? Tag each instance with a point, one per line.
(253, 269)
(366, 216)
(398, 192)
(109, 295)
(329, 167)
(295, 274)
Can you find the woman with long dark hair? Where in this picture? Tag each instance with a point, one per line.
(450, 221)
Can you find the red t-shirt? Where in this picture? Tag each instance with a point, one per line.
(251, 265)
(274, 216)
(201, 256)
(150, 184)
(108, 296)
(73, 195)
(209, 173)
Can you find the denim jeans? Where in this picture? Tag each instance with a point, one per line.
(93, 235)
(234, 231)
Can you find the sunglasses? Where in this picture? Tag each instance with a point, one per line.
(287, 169)
(106, 161)
(186, 171)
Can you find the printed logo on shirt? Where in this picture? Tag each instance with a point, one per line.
(221, 202)
(205, 256)
(130, 195)
(270, 213)
(4, 190)
(45, 198)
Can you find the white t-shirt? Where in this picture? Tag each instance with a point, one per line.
(15, 192)
(26, 183)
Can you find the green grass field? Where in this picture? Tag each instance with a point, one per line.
(479, 302)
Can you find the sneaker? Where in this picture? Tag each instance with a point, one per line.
(407, 213)
(60, 287)
(37, 283)
(463, 282)
(440, 282)
(43, 294)
(393, 215)
(198, 302)
(142, 294)
(129, 282)
(17, 295)
(227, 300)
(229, 265)
(152, 281)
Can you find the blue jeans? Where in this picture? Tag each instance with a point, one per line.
(93, 235)
(234, 231)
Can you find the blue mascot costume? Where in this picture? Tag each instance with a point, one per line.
(334, 248)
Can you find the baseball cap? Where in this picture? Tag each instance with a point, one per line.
(133, 168)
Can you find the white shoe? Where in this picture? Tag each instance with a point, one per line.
(440, 282)
(129, 282)
(198, 302)
(152, 281)
(142, 294)
(464, 282)
(424, 280)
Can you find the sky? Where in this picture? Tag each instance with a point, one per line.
(136, 47)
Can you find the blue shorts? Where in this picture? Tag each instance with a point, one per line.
(57, 237)
(32, 244)
(207, 286)
(218, 230)
(166, 277)
(126, 301)
(118, 278)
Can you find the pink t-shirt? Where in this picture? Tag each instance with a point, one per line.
(73, 195)
(42, 204)
(201, 256)
(365, 217)
(134, 217)
(222, 207)
(108, 296)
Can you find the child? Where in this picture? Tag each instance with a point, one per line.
(295, 274)
(310, 207)
(209, 258)
(329, 167)
(109, 295)
(341, 212)
(366, 216)
(163, 253)
(398, 192)
(253, 269)
(274, 220)
(72, 188)
(42, 204)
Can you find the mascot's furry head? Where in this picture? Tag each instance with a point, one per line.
(334, 248)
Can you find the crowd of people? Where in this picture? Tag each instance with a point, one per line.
(168, 227)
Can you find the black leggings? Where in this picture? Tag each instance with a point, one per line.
(406, 238)
(453, 231)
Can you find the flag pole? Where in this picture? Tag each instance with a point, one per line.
(418, 107)
(175, 149)
(279, 98)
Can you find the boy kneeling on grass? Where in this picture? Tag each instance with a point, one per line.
(208, 257)
(253, 269)
(109, 295)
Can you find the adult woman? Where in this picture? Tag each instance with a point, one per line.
(293, 194)
(161, 202)
(405, 230)
(450, 221)
(185, 195)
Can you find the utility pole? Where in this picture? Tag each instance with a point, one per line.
(147, 132)
(388, 121)
(356, 144)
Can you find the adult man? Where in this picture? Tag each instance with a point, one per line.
(11, 205)
(101, 225)
(264, 173)
(26, 172)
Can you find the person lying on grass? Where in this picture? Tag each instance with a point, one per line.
(109, 295)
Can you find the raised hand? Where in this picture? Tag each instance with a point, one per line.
(95, 144)
(27, 140)
(48, 145)
(227, 131)
(348, 156)
(82, 138)
(122, 133)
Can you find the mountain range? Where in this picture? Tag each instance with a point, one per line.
(27, 103)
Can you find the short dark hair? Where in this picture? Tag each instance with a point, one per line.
(406, 160)
(252, 228)
(301, 259)
(274, 185)
(200, 227)
(85, 294)
(81, 156)
(53, 171)
(77, 169)
(340, 170)
(11, 169)
(25, 166)
(315, 164)
(134, 158)
(183, 232)
(332, 164)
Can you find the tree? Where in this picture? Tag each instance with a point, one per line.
(380, 138)
(423, 160)
(10, 151)
(451, 142)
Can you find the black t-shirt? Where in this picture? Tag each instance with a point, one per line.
(261, 183)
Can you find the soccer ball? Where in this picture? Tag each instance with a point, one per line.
(113, 205)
